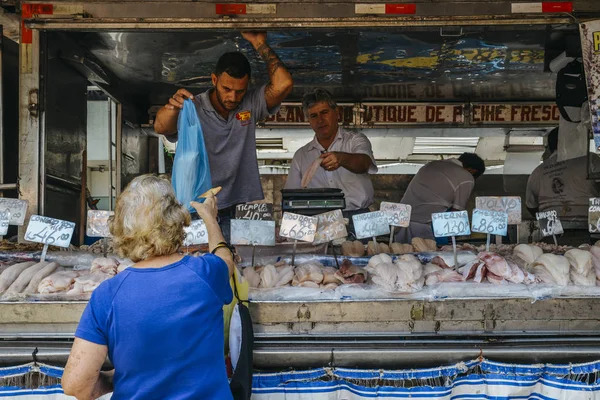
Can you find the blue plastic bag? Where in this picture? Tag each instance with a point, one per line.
(191, 171)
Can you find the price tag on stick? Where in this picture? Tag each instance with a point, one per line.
(49, 231)
(371, 224)
(330, 226)
(298, 227)
(451, 224)
(252, 232)
(97, 223)
(4, 221)
(490, 223)
(398, 215)
(17, 209)
(594, 216)
(259, 211)
(549, 224)
(196, 233)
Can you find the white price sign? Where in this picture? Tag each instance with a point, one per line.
(97, 223)
(398, 214)
(4, 220)
(549, 223)
(490, 222)
(253, 232)
(196, 233)
(508, 204)
(371, 224)
(330, 226)
(17, 209)
(448, 224)
(594, 215)
(298, 227)
(49, 231)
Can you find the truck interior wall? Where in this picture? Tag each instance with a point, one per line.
(65, 105)
(135, 153)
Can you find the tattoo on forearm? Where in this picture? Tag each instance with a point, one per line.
(270, 58)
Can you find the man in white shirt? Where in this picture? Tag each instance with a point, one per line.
(439, 186)
(561, 186)
(346, 157)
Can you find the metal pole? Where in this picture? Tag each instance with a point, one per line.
(8, 186)
(110, 155)
(1, 112)
(119, 146)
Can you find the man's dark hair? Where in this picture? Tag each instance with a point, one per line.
(235, 64)
(473, 161)
(553, 140)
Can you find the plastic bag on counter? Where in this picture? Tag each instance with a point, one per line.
(191, 170)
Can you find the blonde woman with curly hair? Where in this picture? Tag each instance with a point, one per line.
(160, 321)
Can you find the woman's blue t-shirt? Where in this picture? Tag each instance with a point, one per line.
(164, 329)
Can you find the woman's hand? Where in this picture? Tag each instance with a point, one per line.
(208, 209)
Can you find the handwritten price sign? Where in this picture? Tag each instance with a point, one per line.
(17, 209)
(196, 233)
(261, 211)
(510, 205)
(451, 224)
(549, 223)
(4, 220)
(298, 227)
(398, 214)
(49, 231)
(330, 226)
(490, 222)
(97, 223)
(594, 215)
(371, 224)
(252, 232)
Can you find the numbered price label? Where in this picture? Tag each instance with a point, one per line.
(549, 223)
(298, 227)
(17, 209)
(330, 226)
(4, 221)
(371, 224)
(97, 223)
(49, 231)
(252, 232)
(398, 214)
(490, 222)
(261, 211)
(510, 205)
(196, 233)
(594, 215)
(451, 224)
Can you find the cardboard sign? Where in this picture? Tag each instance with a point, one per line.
(262, 211)
(549, 223)
(196, 233)
(97, 223)
(17, 209)
(371, 224)
(449, 224)
(4, 221)
(510, 205)
(330, 226)
(594, 215)
(49, 231)
(298, 227)
(398, 214)
(252, 232)
(490, 222)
